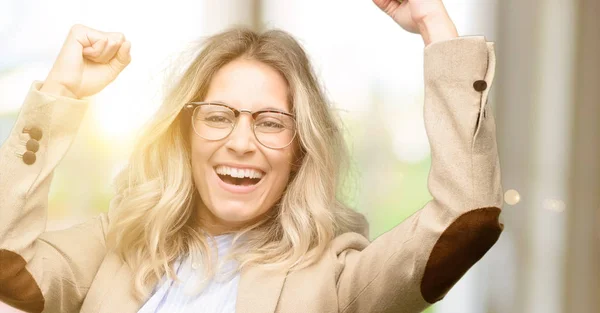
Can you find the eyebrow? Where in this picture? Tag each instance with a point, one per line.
(273, 109)
(261, 109)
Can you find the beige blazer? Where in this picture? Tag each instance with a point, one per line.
(403, 270)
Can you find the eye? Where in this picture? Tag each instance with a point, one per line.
(270, 124)
(217, 119)
(215, 115)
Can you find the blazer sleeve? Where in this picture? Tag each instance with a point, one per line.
(417, 262)
(43, 271)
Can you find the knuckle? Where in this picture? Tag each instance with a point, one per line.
(76, 29)
(96, 53)
(118, 37)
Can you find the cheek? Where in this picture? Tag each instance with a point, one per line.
(282, 165)
(199, 156)
(200, 150)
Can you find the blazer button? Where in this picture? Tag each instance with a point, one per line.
(34, 132)
(29, 157)
(480, 85)
(32, 145)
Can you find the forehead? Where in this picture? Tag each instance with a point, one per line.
(249, 84)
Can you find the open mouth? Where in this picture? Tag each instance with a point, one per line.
(239, 177)
(245, 181)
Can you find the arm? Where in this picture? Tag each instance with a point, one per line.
(416, 263)
(52, 271)
(43, 271)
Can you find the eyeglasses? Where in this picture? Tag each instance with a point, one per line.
(215, 121)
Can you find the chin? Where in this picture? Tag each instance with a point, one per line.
(237, 213)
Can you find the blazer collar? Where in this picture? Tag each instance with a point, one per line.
(258, 291)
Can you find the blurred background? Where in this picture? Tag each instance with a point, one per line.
(544, 95)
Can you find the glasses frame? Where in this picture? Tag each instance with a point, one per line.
(191, 108)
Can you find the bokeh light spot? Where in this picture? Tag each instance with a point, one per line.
(554, 205)
(512, 197)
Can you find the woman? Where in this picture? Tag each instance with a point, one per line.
(240, 166)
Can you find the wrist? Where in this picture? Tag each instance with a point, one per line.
(437, 27)
(57, 89)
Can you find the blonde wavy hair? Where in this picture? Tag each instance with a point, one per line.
(152, 221)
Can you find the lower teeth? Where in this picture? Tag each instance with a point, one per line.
(239, 181)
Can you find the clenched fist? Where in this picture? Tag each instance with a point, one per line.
(426, 17)
(88, 61)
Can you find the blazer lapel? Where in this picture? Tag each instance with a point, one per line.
(120, 297)
(259, 290)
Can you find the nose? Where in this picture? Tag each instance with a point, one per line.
(241, 140)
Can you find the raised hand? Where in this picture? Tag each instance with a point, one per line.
(426, 17)
(88, 61)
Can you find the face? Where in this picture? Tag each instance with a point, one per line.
(251, 85)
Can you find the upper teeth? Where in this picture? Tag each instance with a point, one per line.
(237, 172)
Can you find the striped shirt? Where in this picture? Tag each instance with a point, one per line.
(219, 295)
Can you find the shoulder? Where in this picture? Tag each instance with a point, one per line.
(348, 241)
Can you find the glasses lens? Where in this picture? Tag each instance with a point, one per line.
(213, 122)
(274, 130)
